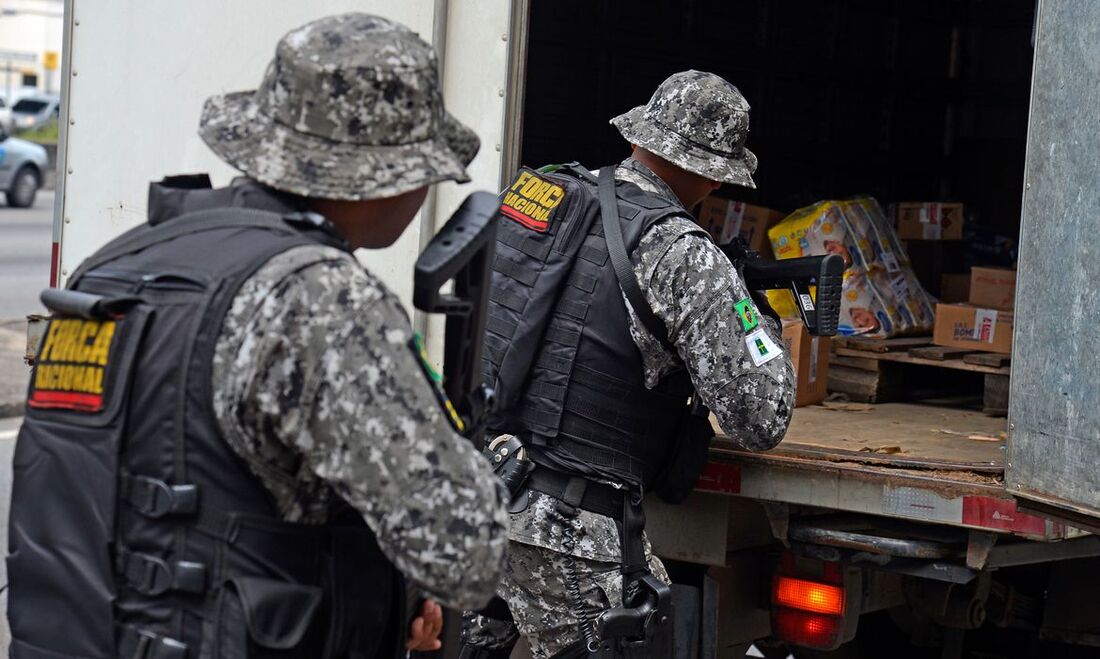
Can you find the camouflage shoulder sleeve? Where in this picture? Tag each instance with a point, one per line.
(733, 354)
(339, 386)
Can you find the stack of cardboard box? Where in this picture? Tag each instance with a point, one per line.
(932, 232)
(724, 219)
(985, 323)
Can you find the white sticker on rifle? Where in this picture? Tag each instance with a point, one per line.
(761, 347)
(985, 325)
(807, 301)
(813, 359)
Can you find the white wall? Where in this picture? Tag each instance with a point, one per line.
(141, 70)
(33, 27)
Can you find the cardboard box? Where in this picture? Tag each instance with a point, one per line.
(724, 219)
(810, 358)
(955, 287)
(975, 328)
(993, 287)
(929, 221)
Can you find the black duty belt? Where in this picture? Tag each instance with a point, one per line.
(596, 498)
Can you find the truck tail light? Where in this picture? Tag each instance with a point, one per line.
(810, 596)
(808, 603)
(811, 630)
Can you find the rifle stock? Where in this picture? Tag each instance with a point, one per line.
(820, 313)
(463, 252)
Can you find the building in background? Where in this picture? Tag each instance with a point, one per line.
(30, 47)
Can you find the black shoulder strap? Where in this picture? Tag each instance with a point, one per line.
(145, 235)
(620, 260)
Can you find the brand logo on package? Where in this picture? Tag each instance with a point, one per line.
(530, 200)
(985, 325)
(70, 366)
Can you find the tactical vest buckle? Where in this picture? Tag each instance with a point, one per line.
(154, 498)
(137, 643)
(150, 575)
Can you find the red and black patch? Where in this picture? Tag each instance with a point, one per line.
(69, 370)
(531, 200)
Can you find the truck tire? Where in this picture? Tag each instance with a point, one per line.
(23, 188)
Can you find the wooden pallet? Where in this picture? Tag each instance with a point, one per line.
(885, 370)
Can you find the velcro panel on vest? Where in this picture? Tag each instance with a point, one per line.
(626, 420)
(538, 235)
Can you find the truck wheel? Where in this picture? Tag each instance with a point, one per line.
(23, 188)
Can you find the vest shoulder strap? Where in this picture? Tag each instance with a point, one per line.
(620, 260)
(146, 235)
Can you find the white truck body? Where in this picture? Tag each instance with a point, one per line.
(136, 75)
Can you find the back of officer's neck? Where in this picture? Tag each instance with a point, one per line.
(371, 223)
(689, 188)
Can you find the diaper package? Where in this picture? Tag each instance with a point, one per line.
(881, 294)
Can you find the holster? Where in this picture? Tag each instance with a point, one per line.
(510, 463)
(642, 627)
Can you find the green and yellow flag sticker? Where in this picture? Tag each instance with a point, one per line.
(746, 311)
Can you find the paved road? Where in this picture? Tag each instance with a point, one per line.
(25, 237)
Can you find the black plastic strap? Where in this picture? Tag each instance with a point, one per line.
(135, 643)
(620, 260)
(633, 543)
(150, 575)
(595, 498)
(509, 268)
(85, 305)
(154, 498)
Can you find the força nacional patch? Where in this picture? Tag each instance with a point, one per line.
(531, 200)
(761, 348)
(70, 367)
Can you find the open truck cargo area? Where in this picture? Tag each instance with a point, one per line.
(902, 101)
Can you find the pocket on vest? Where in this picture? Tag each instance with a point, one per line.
(267, 618)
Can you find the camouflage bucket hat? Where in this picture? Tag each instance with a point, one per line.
(350, 108)
(696, 121)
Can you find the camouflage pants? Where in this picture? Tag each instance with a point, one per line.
(553, 598)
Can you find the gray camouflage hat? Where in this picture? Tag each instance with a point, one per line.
(696, 121)
(350, 108)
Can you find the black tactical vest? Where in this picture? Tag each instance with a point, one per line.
(568, 376)
(135, 530)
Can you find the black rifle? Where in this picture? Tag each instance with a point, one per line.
(462, 251)
(820, 313)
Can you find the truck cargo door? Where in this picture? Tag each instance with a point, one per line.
(1054, 410)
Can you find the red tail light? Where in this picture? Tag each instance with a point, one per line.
(812, 630)
(808, 603)
(809, 596)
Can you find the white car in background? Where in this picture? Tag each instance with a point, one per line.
(23, 168)
(32, 112)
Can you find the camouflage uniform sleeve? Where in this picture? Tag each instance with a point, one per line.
(341, 387)
(693, 288)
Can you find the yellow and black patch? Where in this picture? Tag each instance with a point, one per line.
(531, 200)
(417, 345)
(69, 370)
